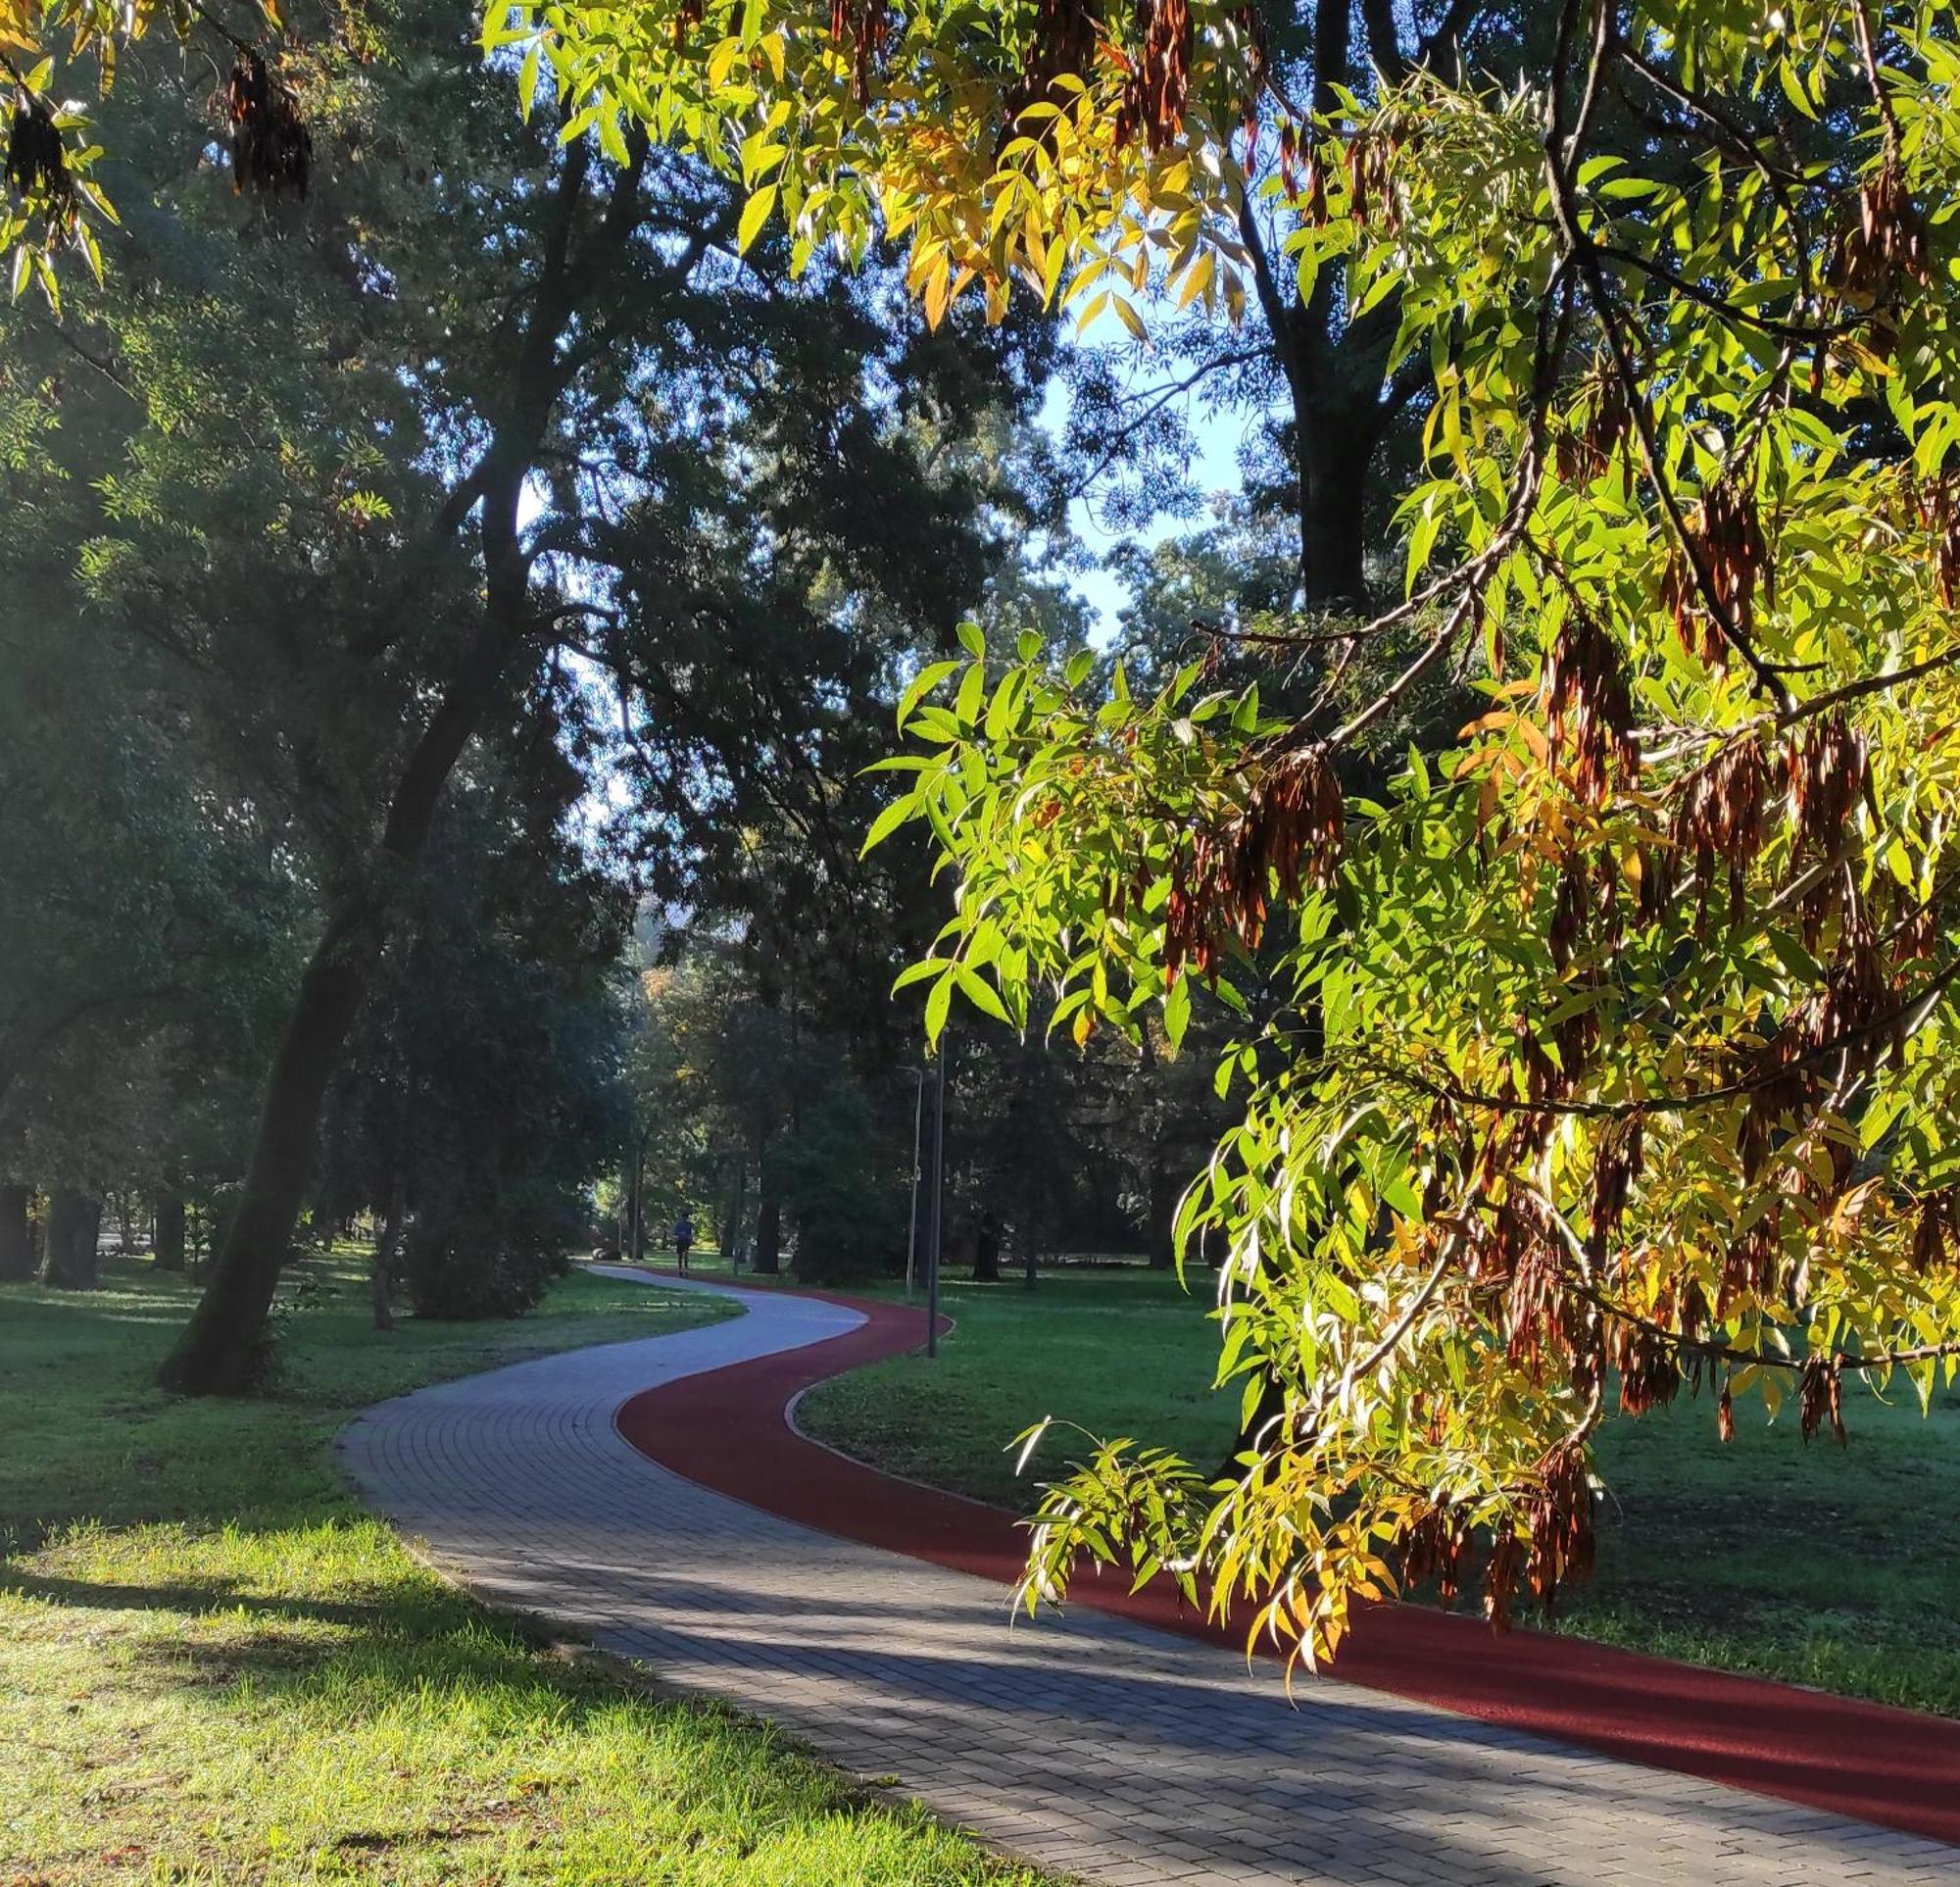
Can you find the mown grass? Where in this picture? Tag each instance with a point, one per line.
(218, 1671)
(1839, 1568)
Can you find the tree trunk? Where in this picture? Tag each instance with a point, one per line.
(68, 1245)
(1160, 1229)
(17, 1248)
(636, 1208)
(1029, 1246)
(1336, 451)
(221, 1351)
(768, 1234)
(738, 1206)
(987, 1248)
(167, 1245)
(386, 1247)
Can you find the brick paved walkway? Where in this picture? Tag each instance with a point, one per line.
(1089, 1743)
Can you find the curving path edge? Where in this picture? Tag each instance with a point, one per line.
(1899, 1767)
(1097, 1742)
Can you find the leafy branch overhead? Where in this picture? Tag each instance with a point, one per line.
(52, 49)
(1615, 1051)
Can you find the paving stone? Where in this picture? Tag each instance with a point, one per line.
(1117, 1754)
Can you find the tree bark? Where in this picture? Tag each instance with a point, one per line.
(738, 1206)
(636, 1206)
(1160, 1231)
(768, 1234)
(386, 1247)
(1337, 448)
(987, 1248)
(17, 1248)
(68, 1245)
(168, 1243)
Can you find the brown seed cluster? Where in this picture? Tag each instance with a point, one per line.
(1883, 248)
(1820, 1398)
(1289, 829)
(1719, 817)
(1158, 87)
(1727, 536)
(1433, 1549)
(1066, 35)
(865, 25)
(1937, 1236)
(1584, 452)
(36, 163)
(1589, 707)
(1561, 1522)
(1936, 504)
(272, 148)
(1827, 777)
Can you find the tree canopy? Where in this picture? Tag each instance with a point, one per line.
(1619, 1053)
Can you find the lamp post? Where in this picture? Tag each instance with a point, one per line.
(918, 1128)
(938, 1195)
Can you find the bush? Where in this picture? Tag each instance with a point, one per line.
(490, 1256)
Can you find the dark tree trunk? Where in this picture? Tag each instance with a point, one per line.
(987, 1248)
(636, 1207)
(68, 1245)
(1030, 1263)
(17, 1248)
(167, 1245)
(1337, 448)
(221, 1351)
(738, 1205)
(1160, 1230)
(386, 1247)
(768, 1234)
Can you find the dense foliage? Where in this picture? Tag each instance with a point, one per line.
(1619, 1052)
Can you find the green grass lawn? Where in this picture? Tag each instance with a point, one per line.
(218, 1671)
(1834, 1567)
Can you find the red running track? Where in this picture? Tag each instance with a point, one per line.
(729, 1430)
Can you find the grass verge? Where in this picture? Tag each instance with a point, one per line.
(218, 1671)
(1824, 1566)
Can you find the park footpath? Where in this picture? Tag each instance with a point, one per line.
(654, 1496)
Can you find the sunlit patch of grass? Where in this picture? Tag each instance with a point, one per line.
(218, 1671)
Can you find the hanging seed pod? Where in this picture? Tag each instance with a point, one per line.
(1066, 35)
(1589, 707)
(1502, 1574)
(36, 162)
(1433, 1550)
(272, 148)
(1879, 251)
(1617, 1162)
(1289, 829)
(1719, 817)
(865, 25)
(1561, 1522)
(1543, 1315)
(1820, 1398)
(1826, 779)
(1157, 89)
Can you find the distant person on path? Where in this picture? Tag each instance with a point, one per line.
(683, 1241)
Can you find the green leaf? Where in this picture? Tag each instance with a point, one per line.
(755, 212)
(888, 822)
(980, 993)
(939, 999)
(923, 684)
